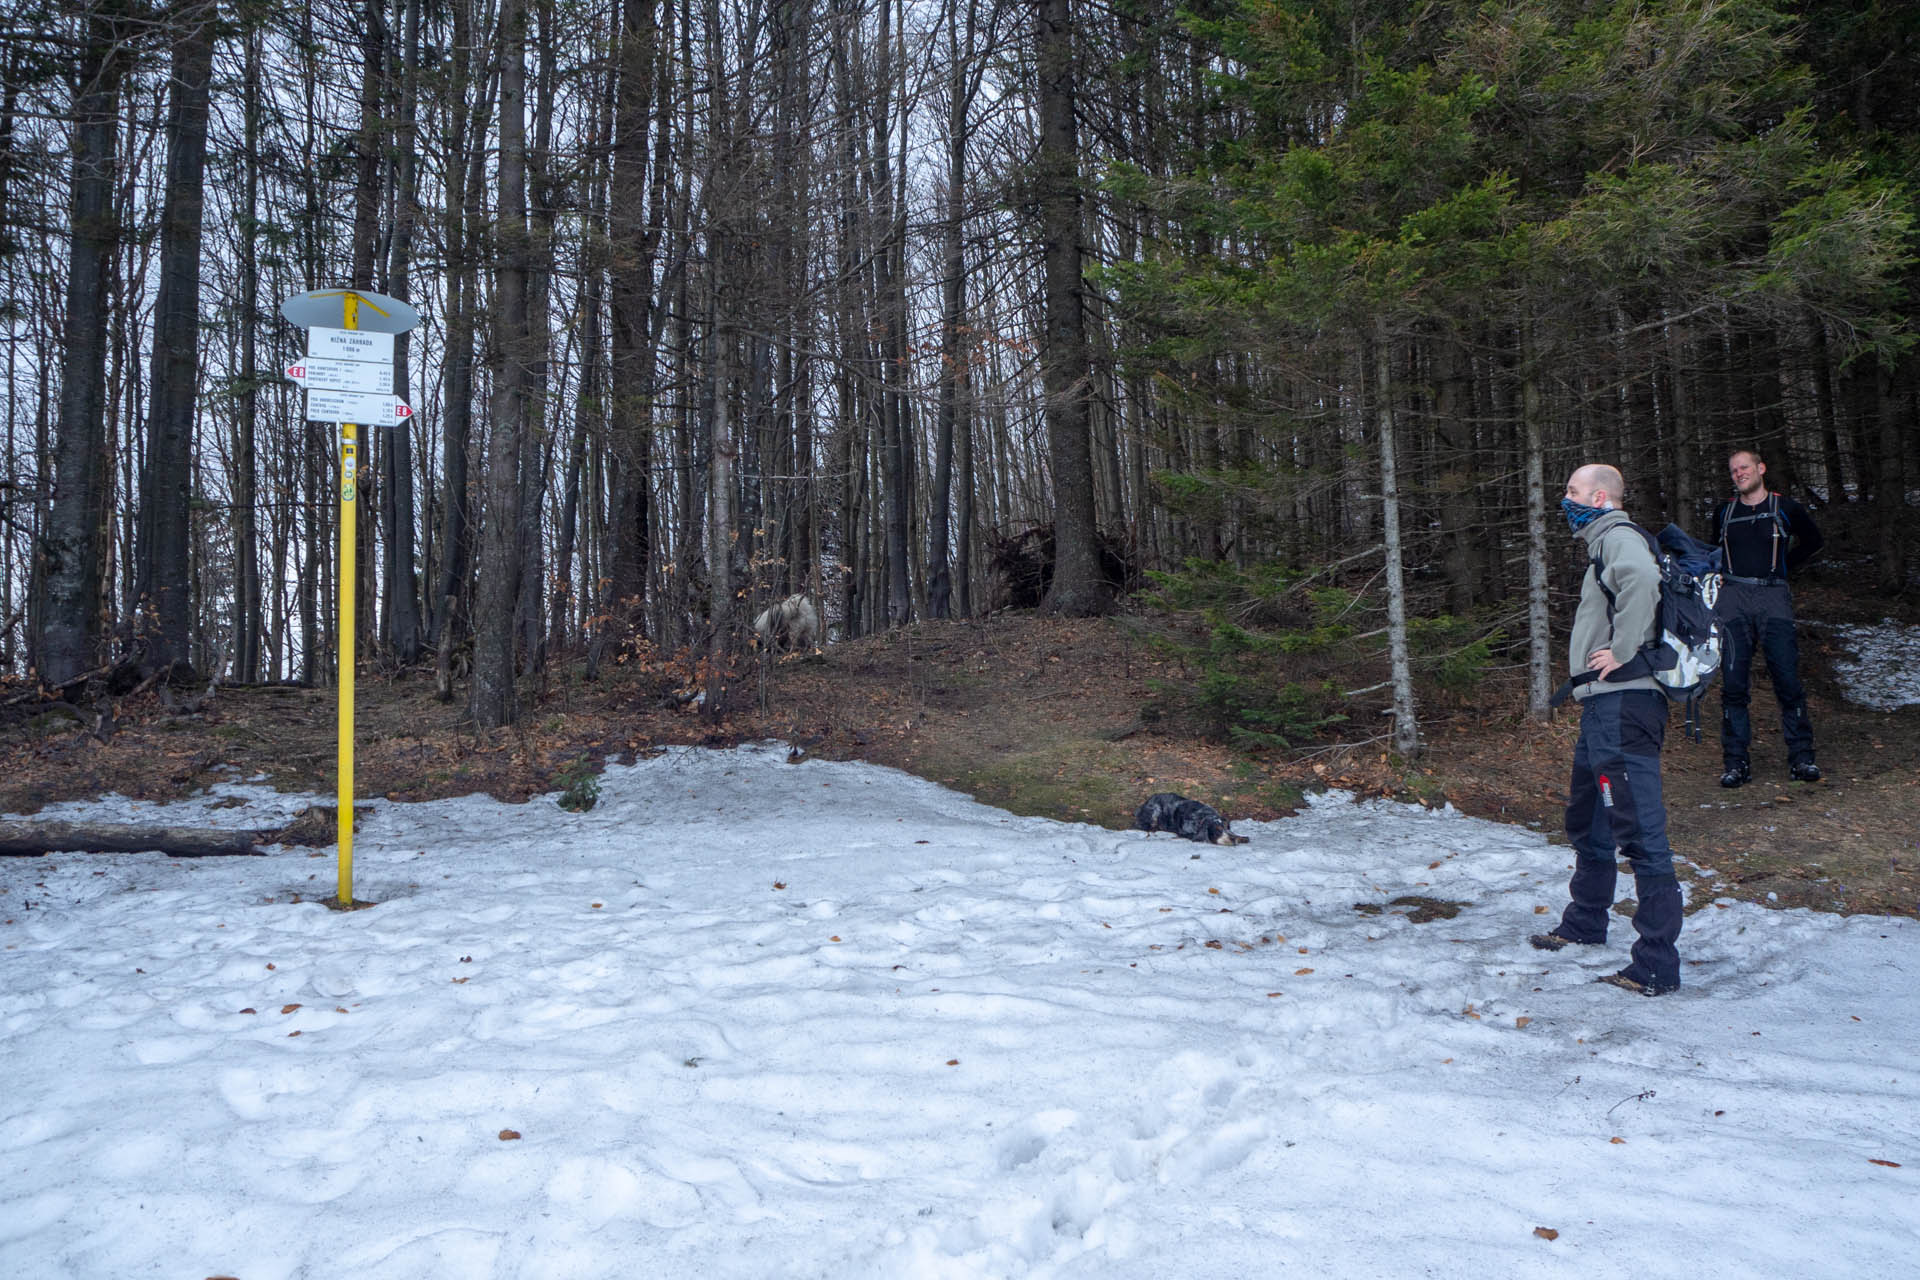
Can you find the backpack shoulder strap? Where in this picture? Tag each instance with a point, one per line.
(1653, 545)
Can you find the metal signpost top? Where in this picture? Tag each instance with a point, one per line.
(349, 370)
(327, 309)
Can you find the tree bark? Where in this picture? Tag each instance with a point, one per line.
(1406, 721)
(400, 593)
(491, 699)
(247, 620)
(1539, 631)
(315, 826)
(73, 546)
(633, 244)
(163, 614)
(1078, 589)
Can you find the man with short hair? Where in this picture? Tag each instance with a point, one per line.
(1764, 537)
(1614, 806)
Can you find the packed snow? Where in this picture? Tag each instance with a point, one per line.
(749, 1018)
(1883, 669)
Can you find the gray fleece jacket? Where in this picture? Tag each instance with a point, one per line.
(1628, 568)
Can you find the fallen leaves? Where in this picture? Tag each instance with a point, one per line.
(1301, 973)
(1546, 1233)
(1522, 1021)
(509, 1135)
(288, 1008)
(1884, 1164)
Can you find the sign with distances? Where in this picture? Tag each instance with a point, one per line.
(322, 373)
(350, 406)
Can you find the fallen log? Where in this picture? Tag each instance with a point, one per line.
(28, 839)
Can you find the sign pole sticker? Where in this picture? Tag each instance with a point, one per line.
(349, 468)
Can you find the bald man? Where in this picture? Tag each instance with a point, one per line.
(1614, 807)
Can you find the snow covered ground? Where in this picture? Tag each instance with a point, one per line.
(1884, 671)
(753, 1019)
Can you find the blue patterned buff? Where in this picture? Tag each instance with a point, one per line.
(1579, 517)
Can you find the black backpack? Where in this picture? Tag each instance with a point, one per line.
(1684, 655)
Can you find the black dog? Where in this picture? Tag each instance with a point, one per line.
(1187, 818)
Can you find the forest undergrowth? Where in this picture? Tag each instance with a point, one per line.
(1076, 720)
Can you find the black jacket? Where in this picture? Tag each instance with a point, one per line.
(1773, 538)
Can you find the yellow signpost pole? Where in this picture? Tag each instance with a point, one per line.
(349, 570)
(330, 310)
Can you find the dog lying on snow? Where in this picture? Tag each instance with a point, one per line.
(790, 624)
(1186, 818)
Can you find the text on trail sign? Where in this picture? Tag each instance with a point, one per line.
(350, 344)
(350, 406)
(322, 373)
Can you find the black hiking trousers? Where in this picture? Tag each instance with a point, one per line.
(1614, 810)
(1755, 615)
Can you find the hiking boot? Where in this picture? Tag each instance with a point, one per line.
(1556, 942)
(1634, 985)
(1738, 775)
(1805, 771)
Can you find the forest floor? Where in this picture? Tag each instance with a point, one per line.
(1043, 716)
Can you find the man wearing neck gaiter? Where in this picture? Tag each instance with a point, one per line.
(1614, 807)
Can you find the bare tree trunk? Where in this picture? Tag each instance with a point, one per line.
(401, 590)
(491, 700)
(962, 84)
(1078, 589)
(1833, 471)
(469, 153)
(719, 197)
(73, 547)
(1539, 633)
(1683, 442)
(1890, 492)
(1406, 722)
(163, 618)
(633, 244)
(247, 620)
(590, 407)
